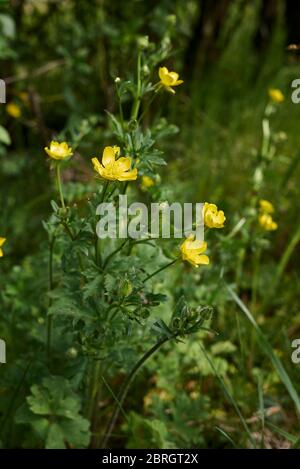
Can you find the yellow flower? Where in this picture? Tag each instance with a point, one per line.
(112, 169)
(59, 151)
(267, 222)
(23, 95)
(2, 241)
(213, 218)
(13, 110)
(192, 251)
(168, 79)
(266, 206)
(147, 182)
(276, 95)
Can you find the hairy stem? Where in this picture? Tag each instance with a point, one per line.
(51, 284)
(126, 387)
(98, 258)
(160, 270)
(111, 255)
(137, 101)
(59, 186)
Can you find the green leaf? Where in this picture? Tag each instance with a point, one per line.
(7, 26)
(224, 347)
(4, 136)
(147, 433)
(53, 412)
(55, 438)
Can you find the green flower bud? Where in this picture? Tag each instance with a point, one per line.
(143, 42)
(126, 288)
(71, 352)
(171, 19)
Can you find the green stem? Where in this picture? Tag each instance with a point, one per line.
(266, 137)
(105, 187)
(160, 270)
(137, 101)
(59, 186)
(114, 253)
(51, 285)
(255, 278)
(130, 378)
(98, 240)
(255, 282)
(95, 387)
(68, 230)
(145, 109)
(120, 107)
(10, 406)
(126, 387)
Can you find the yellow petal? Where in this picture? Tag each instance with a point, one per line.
(13, 110)
(266, 206)
(174, 77)
(97, 165)
(276, 95)
(123, 163)
(203, 259)
(178, 82)
(108, 157)
(59, 151)
(117, 150)
(128, 175)
(163, 72)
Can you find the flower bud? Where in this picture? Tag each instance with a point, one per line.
(171, 19)
(143, 42)
(166, 42)
(126, 288)
(145, 70)
(71, 352)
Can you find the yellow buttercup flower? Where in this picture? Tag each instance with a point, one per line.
(23, 95)
(13, 110)
(213, 218)
(266, 206)
(112, 169)
(147, 182)
(265, 219)
(59, 151)
(168, 79)
(2, 241)
(267, 222)
(276, 95)
(192, 251)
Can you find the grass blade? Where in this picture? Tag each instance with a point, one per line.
(229, 397)
(228, 437)
(268, 350)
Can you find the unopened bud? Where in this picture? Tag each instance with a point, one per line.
(72, 352)
(146, 70)
(171, 19)
(126, 288)
(143, 42)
